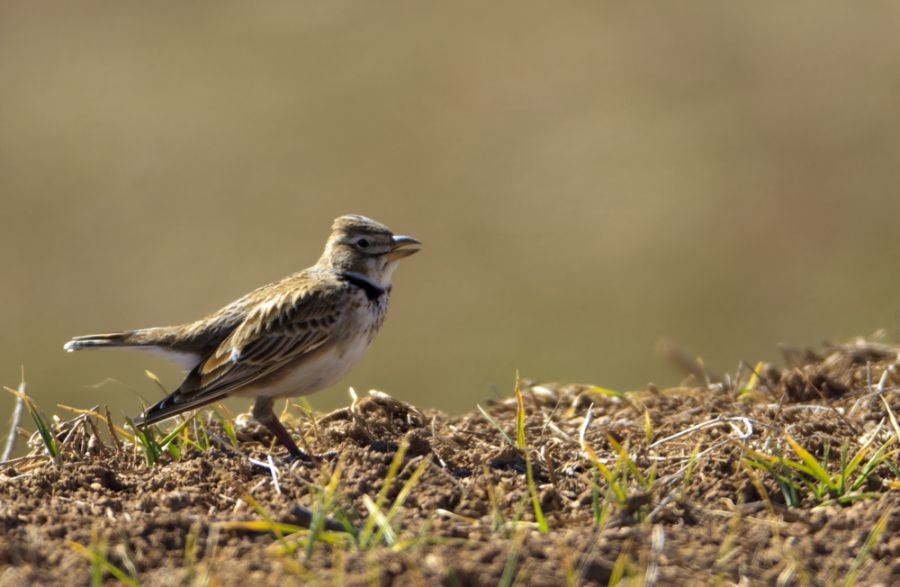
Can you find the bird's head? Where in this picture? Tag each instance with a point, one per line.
(367, 247)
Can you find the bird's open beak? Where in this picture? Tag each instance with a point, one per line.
(404, 246)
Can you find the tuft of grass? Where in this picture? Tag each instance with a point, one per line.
(625, 457)
(809, 476)
(813, 468)
(145, 441)
(600, 507)
(385, 523)
(386, 531)
(618, 478)
(365, 534)
(145, 438)
(325, 502)
(177, 441)
(46, 433)
(382, 527)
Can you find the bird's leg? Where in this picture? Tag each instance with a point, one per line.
(263, 413)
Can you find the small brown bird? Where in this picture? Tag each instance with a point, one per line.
(289, 338)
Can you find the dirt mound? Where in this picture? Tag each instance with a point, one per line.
(770, 476)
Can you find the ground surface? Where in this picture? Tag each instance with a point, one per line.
(689, 490)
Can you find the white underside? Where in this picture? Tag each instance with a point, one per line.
(311, 375)
(187, 361)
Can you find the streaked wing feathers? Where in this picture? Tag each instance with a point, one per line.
(277, 331)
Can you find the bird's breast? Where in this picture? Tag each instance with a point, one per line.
(326, 367)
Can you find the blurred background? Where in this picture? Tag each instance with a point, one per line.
(587, 181)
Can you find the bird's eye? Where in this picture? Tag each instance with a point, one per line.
(362, 243)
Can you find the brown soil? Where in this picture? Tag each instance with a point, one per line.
(467, 521)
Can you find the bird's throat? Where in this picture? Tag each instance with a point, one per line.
(372, 290)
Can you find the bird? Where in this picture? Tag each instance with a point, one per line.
(289, 338)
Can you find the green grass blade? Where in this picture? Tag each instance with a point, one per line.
(510, 569)
(529, 470)
(535, 502)
(871, 541)
(324, 505)
(44, 430)
(146, 442)
(876, 459)
(520, 415)
(401, 498)
(690, 466)
(619, 569)
(611, 479)
(857, 459)
(168, 438)
(384, 527)
(597, 390)
(780, 461)
(201, 434)
(789, 488)
(228, 426)
(753, 381)
(496, 425)
(625, 458)
(40, 421)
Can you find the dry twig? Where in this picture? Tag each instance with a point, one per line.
(14, 425)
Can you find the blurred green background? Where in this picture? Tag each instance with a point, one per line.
(587, 178)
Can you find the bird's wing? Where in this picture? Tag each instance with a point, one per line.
(281, 328)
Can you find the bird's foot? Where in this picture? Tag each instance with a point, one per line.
(298, 457)
(303, 457)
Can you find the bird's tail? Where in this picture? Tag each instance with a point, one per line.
(99, 341)
(157, 340)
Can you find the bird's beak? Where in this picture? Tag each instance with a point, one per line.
(404, 246)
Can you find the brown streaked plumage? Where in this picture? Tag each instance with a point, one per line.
(289, 338)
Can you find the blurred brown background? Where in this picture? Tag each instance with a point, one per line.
(586, 179)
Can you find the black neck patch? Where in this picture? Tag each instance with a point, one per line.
(373, 292)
